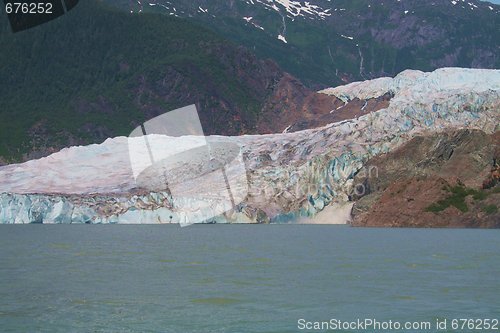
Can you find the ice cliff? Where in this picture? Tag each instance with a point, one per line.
(288, 175)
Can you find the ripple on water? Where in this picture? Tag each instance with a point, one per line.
(167, 261)
(61, 246)
(216, 301)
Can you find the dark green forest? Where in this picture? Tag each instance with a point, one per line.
(77, 79)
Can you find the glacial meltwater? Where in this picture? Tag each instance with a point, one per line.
(242, 278)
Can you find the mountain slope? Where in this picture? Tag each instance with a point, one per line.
(444, 180)
(98, 72)
(325, 42)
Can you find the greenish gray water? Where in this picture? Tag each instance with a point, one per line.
(237, 278)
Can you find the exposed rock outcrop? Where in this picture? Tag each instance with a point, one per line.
(292, 107)
(433, 181)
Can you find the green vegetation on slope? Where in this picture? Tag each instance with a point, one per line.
(98, 72)
(456, 198)
(387, 37)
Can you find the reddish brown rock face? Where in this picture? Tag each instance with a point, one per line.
(293, 107)
(435, 181)
(408, 203)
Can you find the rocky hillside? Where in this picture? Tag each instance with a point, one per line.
(445, 180)
(328, 42)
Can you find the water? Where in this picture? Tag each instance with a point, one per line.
(237, 278)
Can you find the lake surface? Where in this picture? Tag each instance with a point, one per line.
(240, 278)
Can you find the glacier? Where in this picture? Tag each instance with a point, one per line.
(290, 176)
